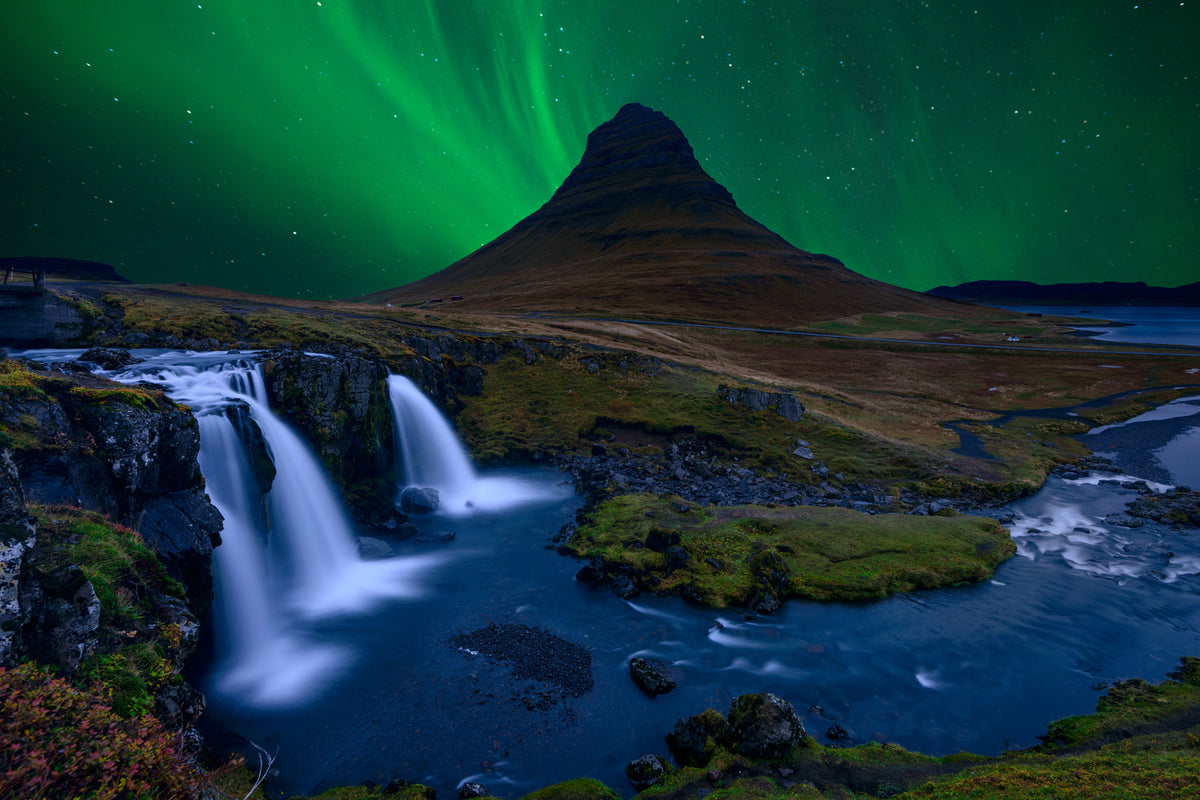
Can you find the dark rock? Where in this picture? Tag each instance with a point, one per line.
(624, 587)
(262, 467)
(764, 725)
(179, 706)
(417, 500)
(535, 654)
(131, 456)
(598, 449)
(109, 358)
(17, 538)
(591, 573)
(651, 676)
(66, 616)
(371, 549)
(661, 539)
(646, 771)
(677, 558)
(694, 740)
(468, 790)
(1124, 520)
(341, 408)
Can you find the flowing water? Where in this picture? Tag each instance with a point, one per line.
(364, 682)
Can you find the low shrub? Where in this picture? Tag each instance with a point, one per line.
(58, 741)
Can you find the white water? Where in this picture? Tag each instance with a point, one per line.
(430, 455)
(259, 658)
(268, 658)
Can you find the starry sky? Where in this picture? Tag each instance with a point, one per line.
(331, 148)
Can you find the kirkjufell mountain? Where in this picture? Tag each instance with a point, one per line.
(639, 229)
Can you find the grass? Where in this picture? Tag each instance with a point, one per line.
(737, 553)
(139, 639)
(559, 405)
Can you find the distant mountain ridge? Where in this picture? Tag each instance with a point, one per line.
(1107, 293)
(638, 228)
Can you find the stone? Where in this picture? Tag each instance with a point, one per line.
(417, 500)
(694, 740)
(651, 676)
(468, 790)
(764, 725)
(109, 358)
(179, 705)
(646, 771)
(372, 549)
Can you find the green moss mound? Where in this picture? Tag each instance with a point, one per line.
(727, 556)
(578, 789)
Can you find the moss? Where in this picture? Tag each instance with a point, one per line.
(143, 399)
(578, 789)
(18, 381)
(736, 553)
(139, 639)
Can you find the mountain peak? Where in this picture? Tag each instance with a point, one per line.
(640, 149)
(639, 229)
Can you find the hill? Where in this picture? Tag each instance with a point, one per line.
(640, 229)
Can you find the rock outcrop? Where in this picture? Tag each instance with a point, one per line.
(339, 405)
(761, 726)
(128, 453)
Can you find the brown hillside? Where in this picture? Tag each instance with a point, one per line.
(639, 229)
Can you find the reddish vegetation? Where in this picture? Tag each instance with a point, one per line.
(639, 229)
(58, 741)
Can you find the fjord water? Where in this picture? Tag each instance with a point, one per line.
(1135, 324)
(979, 668)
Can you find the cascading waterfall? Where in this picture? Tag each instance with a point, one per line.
(260, 659)
(431, 456)
(267, 658)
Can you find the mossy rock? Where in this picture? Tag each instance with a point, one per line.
(578, 789)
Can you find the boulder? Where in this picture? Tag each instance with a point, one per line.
(109, 358)
(694, 740)
(764, 725)
(468, 790)
(646, 771)
(652, 676)
(372, 549)
(418, 500)
(179, 705)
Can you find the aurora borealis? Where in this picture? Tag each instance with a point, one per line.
(333, 148)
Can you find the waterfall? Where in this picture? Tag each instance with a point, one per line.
(429, 449)
(260, 659)
(263, 602)
(430, 455)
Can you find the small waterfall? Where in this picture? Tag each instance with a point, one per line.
(429, 449)
(431, 456)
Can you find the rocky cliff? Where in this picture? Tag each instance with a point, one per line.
(128, 453)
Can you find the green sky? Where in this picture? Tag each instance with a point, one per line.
(334, 148)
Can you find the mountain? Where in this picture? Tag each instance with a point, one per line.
(639, 229)
(1108, 293)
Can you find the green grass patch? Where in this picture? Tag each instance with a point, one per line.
(737, 553)
(559, 405)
